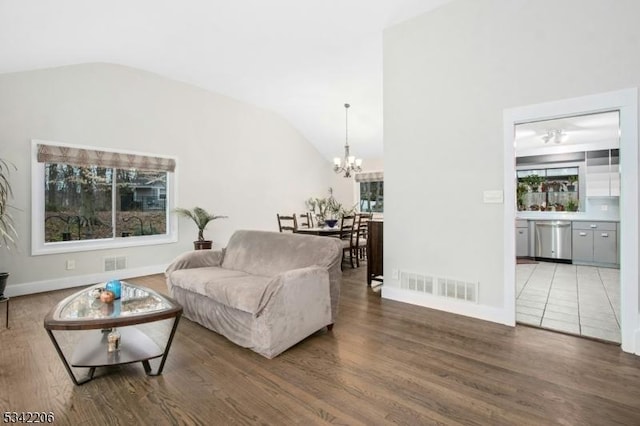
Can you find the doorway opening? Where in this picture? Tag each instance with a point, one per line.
(558, 175)
(567, 220)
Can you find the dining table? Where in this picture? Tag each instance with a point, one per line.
(323, 232)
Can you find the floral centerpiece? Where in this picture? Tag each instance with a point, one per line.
(327, 210)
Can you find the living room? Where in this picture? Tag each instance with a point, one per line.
(449, 74)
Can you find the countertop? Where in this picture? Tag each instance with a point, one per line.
(530, 215)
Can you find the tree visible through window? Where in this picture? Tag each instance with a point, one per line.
(372, 197)
(79, 202)
(98, 195)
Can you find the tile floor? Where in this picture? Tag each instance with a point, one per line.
(583, 300)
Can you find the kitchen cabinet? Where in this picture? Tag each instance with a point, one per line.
(595, 243)
(374, 252)
(522, 238)
(603, 173)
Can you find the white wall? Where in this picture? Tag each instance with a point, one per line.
(448, 76)
(374, 164)
(233, 158)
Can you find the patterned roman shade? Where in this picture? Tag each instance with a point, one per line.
(82, 157)
(370, 177)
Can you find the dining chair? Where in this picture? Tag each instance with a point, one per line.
(305, 220)
(362, 227)
(287, 223)
(348, 235)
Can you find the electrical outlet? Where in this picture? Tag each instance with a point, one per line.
(395, 274)
(604, 207)
(71, 264)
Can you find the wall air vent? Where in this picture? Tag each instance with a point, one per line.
(121, 262)
(109, 264)
(441, 287)
(115, 263)
(417, 282)
(460, 290)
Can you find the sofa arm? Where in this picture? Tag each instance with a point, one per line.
(295, 305)
(308, 279)
(196, 259)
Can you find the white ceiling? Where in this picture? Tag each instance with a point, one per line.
(302, 59)
(581, 133)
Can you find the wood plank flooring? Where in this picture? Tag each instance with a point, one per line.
(385, 362)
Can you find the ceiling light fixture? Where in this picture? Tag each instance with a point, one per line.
(351, 164)
(556, 135)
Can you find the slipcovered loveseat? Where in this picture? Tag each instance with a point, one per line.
(265, 291)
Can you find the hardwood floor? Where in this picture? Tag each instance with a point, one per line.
(384, 362)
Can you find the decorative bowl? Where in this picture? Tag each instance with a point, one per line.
(331, 222)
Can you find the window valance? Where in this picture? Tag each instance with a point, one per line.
(369, 177)
(83, 157)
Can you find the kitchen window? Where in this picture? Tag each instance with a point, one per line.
(548, 189)
(88, 198)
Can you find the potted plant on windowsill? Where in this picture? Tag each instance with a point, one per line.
(533, 181)
(201, 218)
(8, 234)
(521, 190)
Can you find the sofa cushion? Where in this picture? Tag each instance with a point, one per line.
(235, 289)
(270, 253)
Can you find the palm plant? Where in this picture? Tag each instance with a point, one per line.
(200, 216)
(8, 232)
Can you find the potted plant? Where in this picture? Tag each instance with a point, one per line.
(324, 209)
(201, 218)
(533, 181)
(520, 191)
(572, 183)
(572, 205)
(8, 234)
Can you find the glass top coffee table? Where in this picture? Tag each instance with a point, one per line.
(84, 311)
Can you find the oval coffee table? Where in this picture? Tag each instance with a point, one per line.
(137, 305)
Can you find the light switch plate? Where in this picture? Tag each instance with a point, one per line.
(495, 196)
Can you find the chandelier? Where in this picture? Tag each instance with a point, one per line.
(350, 164)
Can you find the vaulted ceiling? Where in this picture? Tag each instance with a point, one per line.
(302, 59)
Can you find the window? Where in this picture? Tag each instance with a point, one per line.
(371, 192)
(84, 198)
(548, 189)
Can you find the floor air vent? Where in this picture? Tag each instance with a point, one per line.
(441, 287)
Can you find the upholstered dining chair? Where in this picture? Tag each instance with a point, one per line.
(287, 223)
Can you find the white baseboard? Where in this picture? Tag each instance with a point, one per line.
(80, 280)
(635, 346)
(473, 310)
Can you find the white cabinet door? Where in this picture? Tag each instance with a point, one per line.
(603, 173)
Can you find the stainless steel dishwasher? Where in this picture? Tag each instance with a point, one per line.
(553, 239)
